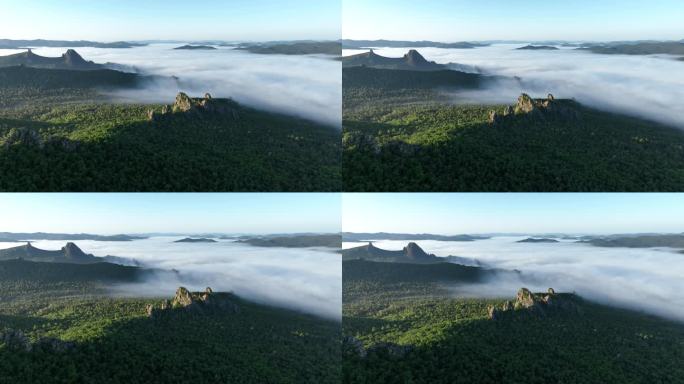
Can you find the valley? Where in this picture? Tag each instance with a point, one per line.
(412, 124)
(70, 315)
(438, 322)
(68, 123)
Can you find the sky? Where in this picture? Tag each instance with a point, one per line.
(449, 214)
(115, 20)
(533, 20)
(109, 213)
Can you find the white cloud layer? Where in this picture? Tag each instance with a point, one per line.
(308, 280)
(651, 87)
(307, 86)
(641, 279)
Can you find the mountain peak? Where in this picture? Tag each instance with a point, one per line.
(413, 57)
(413, 251)
(72, 251)
(72, 57)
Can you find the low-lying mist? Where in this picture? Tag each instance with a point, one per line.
(308, 280)
(642, 279)
(306, 86)
(650, 87)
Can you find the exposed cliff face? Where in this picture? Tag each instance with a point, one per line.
(535, 304)
(354, 346)
(185, 105)
(17, 341)
(196, 303)
(537, 109)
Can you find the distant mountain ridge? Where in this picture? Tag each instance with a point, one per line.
(411, 253)
(70, 253)
(69, 60)
(297, 241)
(196, 47)
(66, 236)
(364, 44)
(638, 48)
(295, 48)
(195, 240)
(537, 48)
(18, 44)
(353, 236)
(639, 241)
(537, 240)
(412, 60)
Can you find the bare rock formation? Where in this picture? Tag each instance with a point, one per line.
(538, 305)
(199, 303)
(17, 341)
(354, 346)
(536, 109)
(23, 136)
(196, 108)
(392, 349)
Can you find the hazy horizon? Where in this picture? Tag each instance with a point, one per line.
(126, 20)
(472, 20)
(122, 213)
(527, 213)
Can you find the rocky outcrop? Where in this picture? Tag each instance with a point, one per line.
(536, 109)
(392, 349)
(198, 303)
(351, 344)
(53, 345)
(17, 341)
(413, 251)
(538, 305)
(368, 143)
(32, 138)
(196, 108)
(354, 346)
(23, 136)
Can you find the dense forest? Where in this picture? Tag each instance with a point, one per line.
(412, 139)
(59, 325)
(59, 133)
(417, 328)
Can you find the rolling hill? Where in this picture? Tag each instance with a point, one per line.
(364, 44)
(639, 241)
(355, 236)
(66, 236)
(70, 253)
(295, 48)
(296, 241)
(411, 253)
(426, 323)
(412, 61)
(418, 141)
(638, 48)
(20, 44)
(75, 139)
(70, 60)
(59, 323)
(537, 48)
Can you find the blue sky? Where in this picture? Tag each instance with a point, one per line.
(458, 20)
(538, 213)
(112, 20)
(108, 213)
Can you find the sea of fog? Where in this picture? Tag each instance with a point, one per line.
(646, 86)
(305, 279)
(643, 279)
(309, 86)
